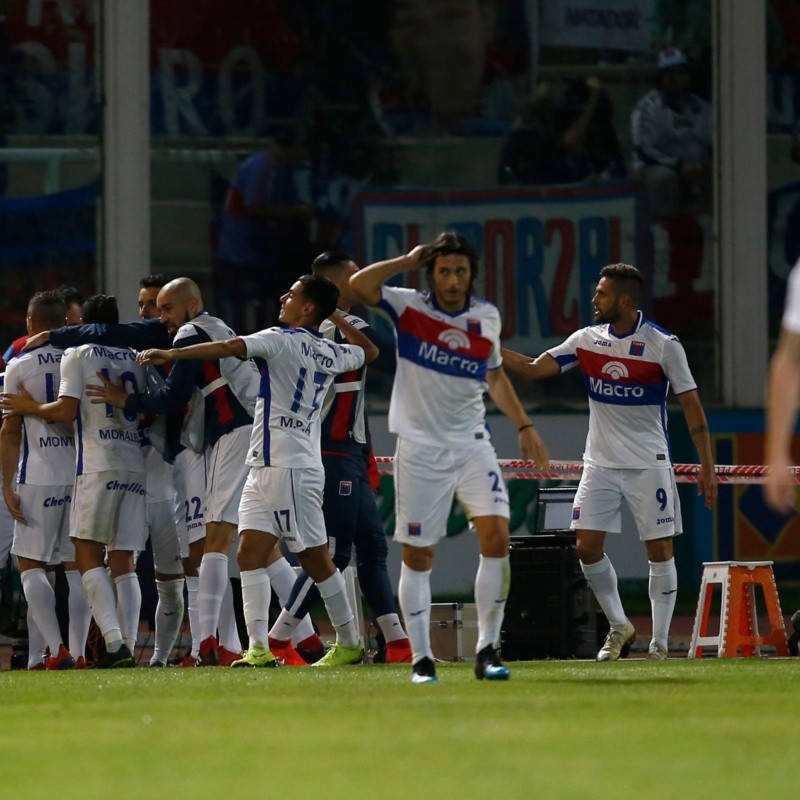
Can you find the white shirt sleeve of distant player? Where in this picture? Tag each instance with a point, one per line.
(71, 376)
(791, 313)
(676, 367)
(265, 344)
(11, 380)
(495, 359)
(565, 353)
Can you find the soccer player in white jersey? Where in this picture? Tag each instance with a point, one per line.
(108, 505)
(783, 398)
(163, 516)
(43, 455)
(282, 498)
(448, 349)
(628, 365)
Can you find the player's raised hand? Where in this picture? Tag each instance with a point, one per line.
(416, 257)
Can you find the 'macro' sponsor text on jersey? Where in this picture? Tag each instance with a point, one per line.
(299, 370)
(627, 379)
(444, 358)
(47, 455)
(107, 437)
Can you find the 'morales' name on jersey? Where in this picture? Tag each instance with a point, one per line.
(300, 368)
(445, 358)
(627, 379)
(47, 455)
(108, 438)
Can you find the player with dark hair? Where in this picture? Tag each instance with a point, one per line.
(282, 498)
(41, 501)
(107, 517)
(448, 348)
(628, 365)
(351, 514)
(72, 300)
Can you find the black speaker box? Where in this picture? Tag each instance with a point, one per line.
(550, 612)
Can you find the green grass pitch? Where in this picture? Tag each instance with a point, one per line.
(713, 728)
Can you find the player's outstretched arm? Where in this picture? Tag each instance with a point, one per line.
(355, 336)
(366, 283)
(505, 398)
(783, 400)
(698, 428)
(230, 348)
(522, 366)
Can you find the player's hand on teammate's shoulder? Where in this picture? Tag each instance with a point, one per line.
(37, 340)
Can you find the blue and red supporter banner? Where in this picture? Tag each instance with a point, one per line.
(541, 249)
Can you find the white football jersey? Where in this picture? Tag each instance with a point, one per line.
(47, 455)
(791, 313)
(442, 361)
(300, 367)
(627, 379)
(108, 438)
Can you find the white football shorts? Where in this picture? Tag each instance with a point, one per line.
(46, 535)
(226, 472)
(189, 477)
(109, 507)
(286, 503)
(651, 495)
(427, 478)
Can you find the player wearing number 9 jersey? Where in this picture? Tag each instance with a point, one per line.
(628, 365)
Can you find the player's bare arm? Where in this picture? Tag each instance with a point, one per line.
(10, 443)
(522, 366)
(355, 336)
(65, 409)
(230, 348)
(505, 398)
(37, 340)
(366, 283)
(698, 429)
(783, 400)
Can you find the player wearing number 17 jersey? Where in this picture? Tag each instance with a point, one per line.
(282, 497)
(628, 365)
